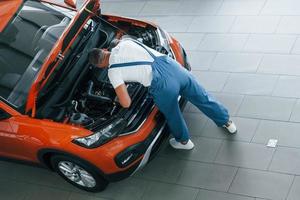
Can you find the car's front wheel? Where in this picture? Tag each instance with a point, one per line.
(78, 173)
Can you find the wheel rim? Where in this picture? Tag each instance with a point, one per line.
(76, 174)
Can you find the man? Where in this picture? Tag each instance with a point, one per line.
(131, 61)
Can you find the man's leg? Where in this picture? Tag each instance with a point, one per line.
(165, 92)
(197, 95)
(170, 108)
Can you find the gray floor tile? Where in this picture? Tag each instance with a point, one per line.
(230, 101)
(296, 113)
(211, 81)
(251, 84)
(243, 154)
(162, 191)
(120, 1)
(189, 41)
(124, 8)
(296, 48)
(295, 192)
(35, 175)
(223, 42)
(255, 24)
(286, 133)
(205, 150)
(246, 129)
(128, 189)
(266, 107)
(195, 7)
(164, 0)
(289, 24)
(281, 7)
(46, 193)
(270, 43)
(236, 62)
(287, 86)
(236, 7)
(207, 176)
(78, 196)
(172, 23)
(7, 170)
(212, 195)
(280, 64)
(13, 190)
(195, 122)
(190, 109)
(211, 24)
(261, 184)
(162, 169)
(282, 160)
(200, 60)
(160, 8)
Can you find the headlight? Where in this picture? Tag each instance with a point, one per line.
(102, 136)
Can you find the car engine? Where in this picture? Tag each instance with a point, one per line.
(82, 94)
(96, 101)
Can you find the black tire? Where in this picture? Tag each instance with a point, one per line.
(100, 182)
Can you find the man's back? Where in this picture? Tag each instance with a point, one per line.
(128, 51)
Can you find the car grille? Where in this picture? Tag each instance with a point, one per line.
(135, 116)
(142, 105)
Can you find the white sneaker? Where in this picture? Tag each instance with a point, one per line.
(230, 126)
(178, 145)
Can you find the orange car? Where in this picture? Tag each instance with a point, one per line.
(57, 110)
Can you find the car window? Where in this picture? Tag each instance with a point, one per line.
(24, 45)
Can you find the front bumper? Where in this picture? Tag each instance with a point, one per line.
(155, 139)
(151, 146)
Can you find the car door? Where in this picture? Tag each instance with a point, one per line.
(11, 143)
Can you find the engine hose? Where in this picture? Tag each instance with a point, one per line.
(90, 95)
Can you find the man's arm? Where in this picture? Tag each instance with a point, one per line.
(123, 96)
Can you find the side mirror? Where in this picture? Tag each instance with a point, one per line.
(4, 115)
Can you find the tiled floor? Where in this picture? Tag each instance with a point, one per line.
(246, 52)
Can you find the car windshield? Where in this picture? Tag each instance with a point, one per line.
(24, 44)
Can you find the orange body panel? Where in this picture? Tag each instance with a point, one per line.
(177, 50)
(40, 80)
(61, 4)
(8, 8)
(26, 136)
(23, 136)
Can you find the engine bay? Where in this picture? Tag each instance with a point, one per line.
(95, 101)
(90, 100)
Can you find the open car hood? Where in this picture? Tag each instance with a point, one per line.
(8, 8)
(63, 3)
(87, 10)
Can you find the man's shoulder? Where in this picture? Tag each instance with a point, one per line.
(123, 44)
(127, 41)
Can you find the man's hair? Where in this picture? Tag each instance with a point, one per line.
(95, 56)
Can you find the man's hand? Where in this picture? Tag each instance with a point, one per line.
(123, 96)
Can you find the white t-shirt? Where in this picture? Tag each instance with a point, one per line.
(128, 51)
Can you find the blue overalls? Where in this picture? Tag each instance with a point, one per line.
(169, 81)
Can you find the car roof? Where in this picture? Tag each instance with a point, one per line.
(7, 11)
